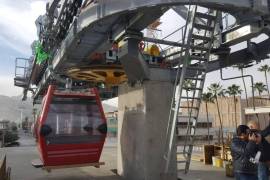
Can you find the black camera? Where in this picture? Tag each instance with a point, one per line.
(253, 131)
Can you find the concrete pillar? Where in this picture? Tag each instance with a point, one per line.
(142, 124)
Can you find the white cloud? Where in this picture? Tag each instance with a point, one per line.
(17, 31)
(17, 23)
(7, 87)
(112, 102)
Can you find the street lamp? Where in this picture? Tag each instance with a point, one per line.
(21, 108)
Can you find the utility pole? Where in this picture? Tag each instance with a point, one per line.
(21, 108)
(3, 139)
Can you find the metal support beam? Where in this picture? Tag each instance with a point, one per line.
(97, 22)
(134, 65)
(163, 42)
(121, 14)
(243, 56)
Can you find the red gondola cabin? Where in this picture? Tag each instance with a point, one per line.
(71, 129)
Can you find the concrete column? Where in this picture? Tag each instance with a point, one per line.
(142, 124)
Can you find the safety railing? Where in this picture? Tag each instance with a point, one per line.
(21, 66)
(21, 71)
(170, 51)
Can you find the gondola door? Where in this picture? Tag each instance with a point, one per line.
(72, 128)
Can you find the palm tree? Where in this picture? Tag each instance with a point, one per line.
(207, 98)
(216, 90)
(234, 90)
(188, 85)
(241, 68)
(222, 93)
(265, 68)
(260, 87)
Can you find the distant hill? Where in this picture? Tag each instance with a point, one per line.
(11, 108)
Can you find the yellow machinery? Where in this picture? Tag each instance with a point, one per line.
(110, 75)
(153, 50)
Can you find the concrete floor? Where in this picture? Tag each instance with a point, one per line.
(19, 159)
(199, 171)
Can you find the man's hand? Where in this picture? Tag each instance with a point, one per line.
(252, 137)
(258, 139)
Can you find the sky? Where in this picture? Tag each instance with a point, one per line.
(18, 31)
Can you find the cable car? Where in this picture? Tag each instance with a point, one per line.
(71, 129)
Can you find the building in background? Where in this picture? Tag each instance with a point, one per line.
(8, 133)
(111, 116)
(261, 111)
(4, 125)
(229, 117)
(242, 115)
(112, 123)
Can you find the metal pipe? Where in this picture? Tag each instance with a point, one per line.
(159, 41)
(30, 77)
(237, 77)
(173, 32)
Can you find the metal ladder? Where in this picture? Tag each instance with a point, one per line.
(192, 66)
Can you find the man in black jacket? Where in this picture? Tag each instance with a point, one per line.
(244, 147)
(264, 147)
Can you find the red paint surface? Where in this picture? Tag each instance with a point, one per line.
(68, 154)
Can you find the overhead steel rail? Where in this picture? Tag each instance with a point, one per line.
(100, 23)
(92, 26)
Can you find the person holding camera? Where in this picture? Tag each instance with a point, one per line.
(264, 148)
(244, 148)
